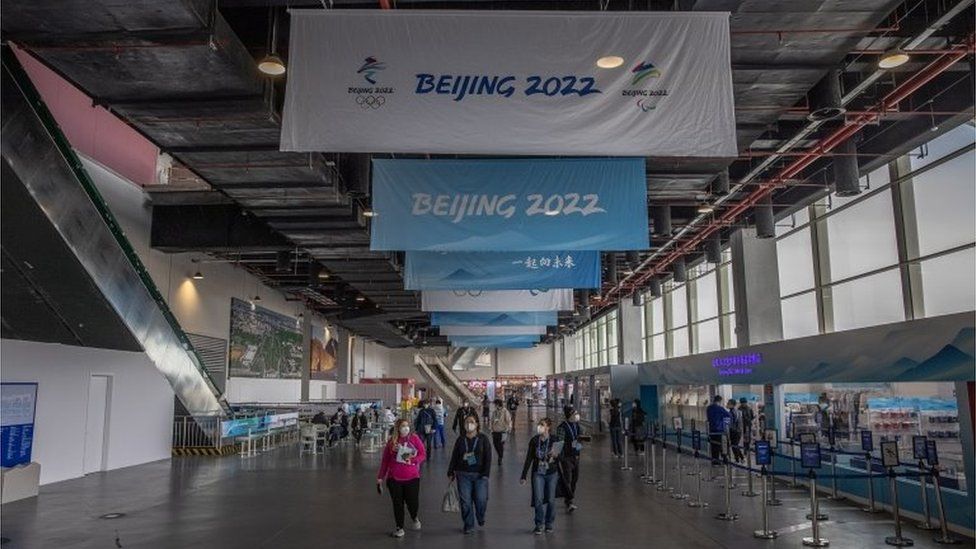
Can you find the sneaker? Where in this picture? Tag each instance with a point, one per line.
(468, 532)
(416, 524)
(572, 507)
(549, 529)
(538, 531)
(398, 533)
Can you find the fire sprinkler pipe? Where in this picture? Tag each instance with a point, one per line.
(854, 125)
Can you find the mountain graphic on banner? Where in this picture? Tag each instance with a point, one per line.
(462, 275)
(505, 320)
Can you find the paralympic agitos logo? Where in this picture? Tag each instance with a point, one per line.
(372, 96)
(647, 99)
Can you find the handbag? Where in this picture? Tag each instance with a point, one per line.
(451, 502)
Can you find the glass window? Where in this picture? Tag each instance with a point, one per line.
(657, 316)
(861, 238)
(706, 296)
(733, 337)
(868, 301)
(680, 342)
(797, 219)
(728, 299)
(800, 316)
(659, 351)
(679, 306)
(707, 336)
(795, 260)
(945, 144)
(947, 283)
(944, 198)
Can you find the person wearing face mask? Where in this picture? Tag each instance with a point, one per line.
(424, 424)
(616, 429)
(541, 462)
(501, 424)
(462, 413)
(470, 465)
(569, 432)
(400, 471)
(638, 427)
(485, 408)
(440, 413)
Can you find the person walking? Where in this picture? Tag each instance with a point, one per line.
(440, 414)
(748, 418)
(470, 466)
(540, 461)
(400, 471)
(718, 420)
(735, 430)
(462, 413)
(485, 408)
(616, 429)
(501, 424)
(569, 432)
(360, 423)
(638, 420)
(424, 424)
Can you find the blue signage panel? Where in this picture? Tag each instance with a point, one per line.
(764, 455)
(526, 205)
(810, 455)
(510, 342)
(919, 446)
(867, 441)
(931, 453)
(501, 270)
(696, 440)
(18, 404)
(535, 318)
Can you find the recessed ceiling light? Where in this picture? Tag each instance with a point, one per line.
(256, 298)
(610, 62)
(323, 274)
(705, 208)
(198, 276)
(360, 298)
(893, 58)
(271, 65)
(369, 213)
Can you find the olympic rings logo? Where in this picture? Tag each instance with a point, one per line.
(370, 101)
(469, 293)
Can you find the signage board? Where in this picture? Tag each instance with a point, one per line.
(501, 270)
(889, 453)
(500, 341)
(764, 454)
(919, 443)
(504, 82)
(867, 441)
(810, 455)
(538, 318)
(931, 453)
(808, 438)
(676, 422)
(510, 205)
(18, 405)
(491, 330)
(696, 440)
(498, 301)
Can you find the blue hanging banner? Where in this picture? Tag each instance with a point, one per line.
(537, 318)
(510, 205)
(509, 342)
(501, 270)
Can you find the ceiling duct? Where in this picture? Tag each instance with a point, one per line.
(713, 249)
(680, 270)
(354, 172)
(845, 169)
(314, 270)
(282, 262)
(720, 185)
(825, 98)
(637, 299)
(611, 267)
(661, 219)
(633, 259)
(765, 225)
(655, 286)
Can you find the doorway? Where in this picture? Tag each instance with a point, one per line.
(96, 423)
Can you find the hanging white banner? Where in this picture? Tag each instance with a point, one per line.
(510, 82)
(497, 301)
(491, 330)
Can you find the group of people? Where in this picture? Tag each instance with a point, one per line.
(342, 422)
(551, 462)
(734, 420)
(636, 429)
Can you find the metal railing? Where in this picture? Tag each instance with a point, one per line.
(197, 432)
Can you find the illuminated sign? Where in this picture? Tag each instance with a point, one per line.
(735, 365)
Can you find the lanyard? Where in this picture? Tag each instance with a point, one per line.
(471, 450)
(571, 429)
(543, 449)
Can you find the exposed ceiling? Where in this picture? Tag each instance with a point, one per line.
(184, 75)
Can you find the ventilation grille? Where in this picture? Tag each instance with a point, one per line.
(213, 352)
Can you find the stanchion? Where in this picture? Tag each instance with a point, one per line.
(679, 492)
(814, 540)
(626, 466)
(697, 502)
(871, 508)
(926, 523)
(765, 533)
(897, 540)
(663, 484)
(773, 501)
(749, 492)
(728, 514)
(834, 495)
(649, 448)
(793, 483)
(944, 537)
(647, 472)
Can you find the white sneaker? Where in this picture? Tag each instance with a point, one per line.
(398, 533)
(416, 524)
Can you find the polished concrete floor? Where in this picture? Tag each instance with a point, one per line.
(281, 500)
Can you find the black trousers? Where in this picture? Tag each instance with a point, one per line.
(404, 492)
(499, 444)
(638, 443)
(715, 443)
(570, 471)
(616, 441)
(735, 438)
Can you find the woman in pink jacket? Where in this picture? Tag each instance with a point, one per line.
(400, 469)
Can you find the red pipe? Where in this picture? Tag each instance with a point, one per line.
(385, 4)
(891, 100)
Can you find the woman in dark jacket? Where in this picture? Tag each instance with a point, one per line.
(637, 428)
(616, 429)
(470, 465)
(540, 460)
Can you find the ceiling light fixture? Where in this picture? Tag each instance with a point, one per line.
(360, 298)
(893, 58)
(197, 276)
(369, 213)
(272, 64)
(256, 298)
(610, 62)
(705, 208)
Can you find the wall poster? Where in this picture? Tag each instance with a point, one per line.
(263, 343)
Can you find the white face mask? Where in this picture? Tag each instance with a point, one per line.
(470, 427)
(404, 430)
(575, 418)
(541, 429)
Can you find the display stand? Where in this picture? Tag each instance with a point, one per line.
(889, 460)
(867, 445)
(696, 446)
(919, 444)
(663, 485)
(652, 479)
(834, 494)
(678, 491)
(811, 460)
(749, 492)
(771, 438)
(932, 456)
(728, 515)
(764, 457)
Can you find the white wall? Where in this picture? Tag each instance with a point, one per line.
(140, 417)
(201, 306)
(382, 361)
(537, 361)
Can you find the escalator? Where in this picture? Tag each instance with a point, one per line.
(439, 371)
(61, 210)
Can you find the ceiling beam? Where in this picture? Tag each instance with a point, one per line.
(211, 228)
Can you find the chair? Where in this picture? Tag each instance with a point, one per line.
(308, 440)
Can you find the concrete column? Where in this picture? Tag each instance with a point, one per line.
(629, 328)
(306, 327)
(344, 356)
(755, 282)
